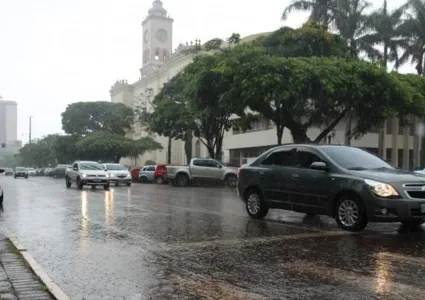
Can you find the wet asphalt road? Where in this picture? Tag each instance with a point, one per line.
(162, 242)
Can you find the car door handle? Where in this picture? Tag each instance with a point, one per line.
(295, 176)
(261, 174)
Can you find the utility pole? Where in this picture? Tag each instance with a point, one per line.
(30, 131)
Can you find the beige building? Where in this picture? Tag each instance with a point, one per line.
(8, 123)
(161, 63)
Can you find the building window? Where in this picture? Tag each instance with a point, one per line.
(165, 54)
(389, 128)
(412, 127)
(259, 124)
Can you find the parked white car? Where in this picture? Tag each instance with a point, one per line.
(118, 174)
(31, 172)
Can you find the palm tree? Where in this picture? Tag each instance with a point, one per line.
(321, 10)
(384, 25)
(413, 32)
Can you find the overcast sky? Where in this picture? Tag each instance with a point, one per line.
(55, 52)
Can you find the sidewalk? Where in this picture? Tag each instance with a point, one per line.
(17, 281)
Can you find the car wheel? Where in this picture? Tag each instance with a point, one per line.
(128, 183)
(68, 182)
(143, 179)
(182, 180)
(117, 184)
(26, 177)
(413, 223)
(231, 180)
(159, 180)
(79, 184)
(106, 187)
(350, 213)
(255, 204)
(1, 199)
(14, 177)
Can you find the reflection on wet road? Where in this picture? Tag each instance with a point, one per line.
(161, 242)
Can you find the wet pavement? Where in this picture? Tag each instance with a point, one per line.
(162, 242)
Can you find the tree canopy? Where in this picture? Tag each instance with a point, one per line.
(82, 118)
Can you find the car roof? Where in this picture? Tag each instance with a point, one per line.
(87, 161)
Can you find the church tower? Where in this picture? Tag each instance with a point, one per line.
(157, 37)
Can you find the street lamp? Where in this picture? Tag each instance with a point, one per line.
(30, 129)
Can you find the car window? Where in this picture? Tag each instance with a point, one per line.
(151, 169)
(355, 158)
(199, 162)
(91, 166)
(211, 163)
(306, 158)
(283, 158)
(114, 167)
(20, 169)
(75, 166)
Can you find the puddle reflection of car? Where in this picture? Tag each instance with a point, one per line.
(21, 172)
(347, 183)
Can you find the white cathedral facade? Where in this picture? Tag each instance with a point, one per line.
(161, 63)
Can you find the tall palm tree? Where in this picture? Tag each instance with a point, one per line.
(321, 10)
(384, 25)
(413, 32)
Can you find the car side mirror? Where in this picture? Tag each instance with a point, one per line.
(75, 168)
(219, 166)
(2, 171)
(319, 165)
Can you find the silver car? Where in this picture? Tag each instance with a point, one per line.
(118, 174)
(147, 174)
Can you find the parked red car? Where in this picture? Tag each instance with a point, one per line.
(135, 173)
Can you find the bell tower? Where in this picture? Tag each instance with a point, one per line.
(157, 37)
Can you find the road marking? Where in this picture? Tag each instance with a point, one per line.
(395, 256)
(244, 241)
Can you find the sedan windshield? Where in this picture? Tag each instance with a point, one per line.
(355, 158)
(91, 166)
(116, 167)
(20, 169)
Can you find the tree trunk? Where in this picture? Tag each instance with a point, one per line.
(279, 133)
(188, 145)
(299, 135)
(382, 153)
(347, 136)
(218, 149)
(170, 141)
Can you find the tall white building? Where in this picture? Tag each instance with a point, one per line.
(160, 64)
(8, 123)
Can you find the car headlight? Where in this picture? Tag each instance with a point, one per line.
(382, 189)
(84, 175)
(110, 175)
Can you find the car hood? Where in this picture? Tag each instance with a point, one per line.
(391, 176)
(94, 172)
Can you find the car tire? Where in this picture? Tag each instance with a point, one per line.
(106, 187)
(128, 183)
(159, 180)
(182, 180)
(26, 177)
(15, 177)
(255, 205)
(350, 213)
(117, 184)
(413, 223)
(231, 180)
(143, 179)
(68, 182)
(80, 185)
(1, 198)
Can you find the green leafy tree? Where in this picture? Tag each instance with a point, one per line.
(211, 101)
(82, 118)
(112, 147)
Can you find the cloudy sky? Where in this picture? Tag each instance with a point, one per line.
(55, 52)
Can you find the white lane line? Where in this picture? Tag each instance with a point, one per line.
(245, 241)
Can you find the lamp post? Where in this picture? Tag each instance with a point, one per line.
(30, 129)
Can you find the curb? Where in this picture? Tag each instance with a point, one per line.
(42, 275)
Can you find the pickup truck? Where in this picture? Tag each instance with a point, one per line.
(87, 173)
(202, 169)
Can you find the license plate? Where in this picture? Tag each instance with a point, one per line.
(96, 180)
(423, 208)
